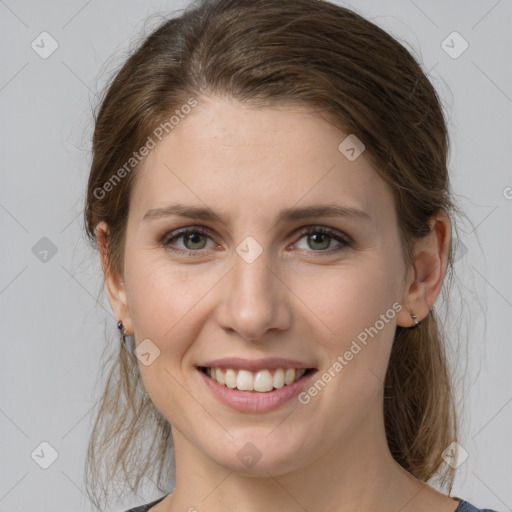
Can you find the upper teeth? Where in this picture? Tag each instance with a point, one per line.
(261, 381)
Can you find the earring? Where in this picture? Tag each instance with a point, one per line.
(416, 323)
(128, 339)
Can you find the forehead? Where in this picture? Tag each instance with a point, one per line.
(243, 160)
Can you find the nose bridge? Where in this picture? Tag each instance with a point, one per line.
(254, 301)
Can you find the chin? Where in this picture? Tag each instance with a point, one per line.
(258, 455)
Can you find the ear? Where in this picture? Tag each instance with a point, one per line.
(114, 284)
(425, 278)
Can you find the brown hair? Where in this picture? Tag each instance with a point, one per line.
(269, 53)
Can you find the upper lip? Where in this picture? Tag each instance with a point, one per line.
(255, 364)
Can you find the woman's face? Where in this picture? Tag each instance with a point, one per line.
(253, 286)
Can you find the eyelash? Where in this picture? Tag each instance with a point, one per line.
(336, 235)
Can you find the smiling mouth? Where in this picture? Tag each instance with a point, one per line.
(262, 381)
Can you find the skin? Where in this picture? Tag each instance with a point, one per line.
(247, 164)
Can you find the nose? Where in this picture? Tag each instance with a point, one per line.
(255, 299)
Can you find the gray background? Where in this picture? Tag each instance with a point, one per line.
(52, 311)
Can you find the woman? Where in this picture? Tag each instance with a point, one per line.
(270, 199)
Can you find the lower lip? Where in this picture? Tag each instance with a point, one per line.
(254, 401)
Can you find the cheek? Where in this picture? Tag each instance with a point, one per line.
(355, 315)
(343, 301)
(163, 303)
(167, 306)
(162, 295)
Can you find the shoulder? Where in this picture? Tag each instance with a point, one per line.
(147, 506)
(465, 506)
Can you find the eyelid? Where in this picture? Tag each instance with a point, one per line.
(344, 239)
(335, 233)
(178, 233)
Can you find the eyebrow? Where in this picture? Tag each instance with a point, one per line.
(288, 214)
